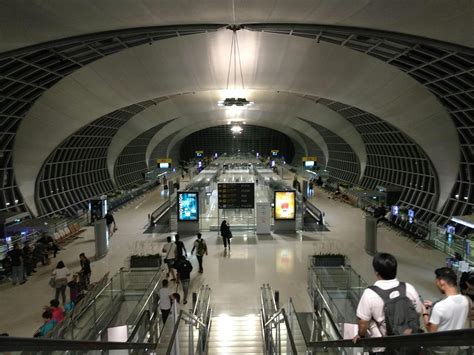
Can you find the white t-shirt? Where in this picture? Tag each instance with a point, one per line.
(450, 313)
(170, 250)
(165, 302)
(371, 306)
(61, 273)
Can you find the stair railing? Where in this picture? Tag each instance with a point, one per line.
(272, 331)
(193, 323)
(198, 319)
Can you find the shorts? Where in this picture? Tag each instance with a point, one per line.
(170, 262)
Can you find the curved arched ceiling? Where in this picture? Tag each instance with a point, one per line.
(270, 62)
(212, 123)
(42, 21)
(282, 105)
(256, 118)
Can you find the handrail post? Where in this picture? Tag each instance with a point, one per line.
(290, 324)
(175, 319)
(191, 338)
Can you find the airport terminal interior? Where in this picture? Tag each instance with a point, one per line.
(319, 133)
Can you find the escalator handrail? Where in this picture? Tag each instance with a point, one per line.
(289, 333)
(145, 314)
(462, 337)
(45, 344)
(176, 326)
(333, 324)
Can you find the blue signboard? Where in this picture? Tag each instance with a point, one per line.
(188, 206)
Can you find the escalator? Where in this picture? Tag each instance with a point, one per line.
(275, 330)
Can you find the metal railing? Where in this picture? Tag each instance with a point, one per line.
(46, 346)
(186, 324)
(94, 312)
(273, 334)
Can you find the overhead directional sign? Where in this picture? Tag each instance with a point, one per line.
(235, 195)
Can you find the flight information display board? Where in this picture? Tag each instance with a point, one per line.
(236, 195)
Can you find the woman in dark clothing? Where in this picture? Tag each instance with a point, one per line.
(226, 233)
(85, 270)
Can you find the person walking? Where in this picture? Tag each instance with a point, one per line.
(180, 248)
(110, 222)
(226, 233)
(165, 300)
(184, 268)
(17, 258)
(169, 250)
(452, 311)
(85, 270)
(60, 275)
(201, 248)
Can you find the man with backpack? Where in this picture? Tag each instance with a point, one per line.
(452, 311)
(184, 268)
(201, 249)
(389, 307)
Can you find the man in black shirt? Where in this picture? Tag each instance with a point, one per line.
(17, 258)
(180, 248)
(109, 220)
(184, 269)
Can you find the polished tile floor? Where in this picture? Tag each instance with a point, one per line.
(236, 276)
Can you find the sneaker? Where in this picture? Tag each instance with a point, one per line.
(184, 302)
(21, 283)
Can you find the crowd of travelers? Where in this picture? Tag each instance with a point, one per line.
(179, 269)
(22, 261)
(61, 280)
(393, 307)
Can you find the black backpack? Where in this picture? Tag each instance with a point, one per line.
(187, 266)
(401, 317)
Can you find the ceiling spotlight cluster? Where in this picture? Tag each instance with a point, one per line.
(234, 58)
(232, 101)
(236, 129)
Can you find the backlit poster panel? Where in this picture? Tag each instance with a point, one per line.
(188, 206)
(285, 206)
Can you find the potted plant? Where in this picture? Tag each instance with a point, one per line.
(329, 259)
(152, 261)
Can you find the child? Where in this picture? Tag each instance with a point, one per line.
(47, 326)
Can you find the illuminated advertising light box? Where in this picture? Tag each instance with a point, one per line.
(188, 206)
(164, 165)
(450, 229)
(285, 205)
(309, 164)
(275, 152)
(394, 210)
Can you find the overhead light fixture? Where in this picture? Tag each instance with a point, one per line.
(234, 100)
(236, 129)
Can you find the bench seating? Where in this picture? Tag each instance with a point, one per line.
(69, 233)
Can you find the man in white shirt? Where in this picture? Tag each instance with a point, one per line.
(451, 312)
(169, 251)
(370, 311)
(165, 300)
